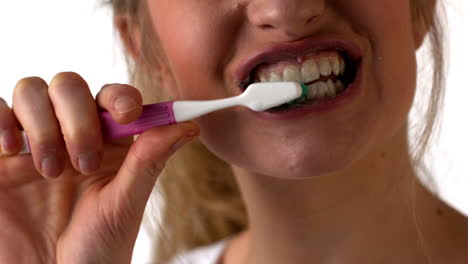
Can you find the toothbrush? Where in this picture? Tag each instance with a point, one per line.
(258, 97)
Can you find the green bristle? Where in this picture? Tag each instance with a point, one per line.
(305, 91)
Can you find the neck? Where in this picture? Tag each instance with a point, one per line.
(362, 215)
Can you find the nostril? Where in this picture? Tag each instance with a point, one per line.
(284, 16)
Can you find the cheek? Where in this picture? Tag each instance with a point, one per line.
(190, 38)
(388, 26)
(396, 60)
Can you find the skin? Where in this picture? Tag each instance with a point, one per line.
(335, 188)
(64, 212)
(351, 167)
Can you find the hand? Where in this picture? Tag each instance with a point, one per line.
(76, 199)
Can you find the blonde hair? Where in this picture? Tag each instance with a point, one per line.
(201, 200)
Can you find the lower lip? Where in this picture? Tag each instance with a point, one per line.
(344, 98)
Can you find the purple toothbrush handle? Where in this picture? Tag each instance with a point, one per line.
(153, 115)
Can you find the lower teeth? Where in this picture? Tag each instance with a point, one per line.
(320, 91)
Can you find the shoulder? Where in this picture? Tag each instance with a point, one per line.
(209, 254)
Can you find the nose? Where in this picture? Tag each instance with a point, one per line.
(291, 18)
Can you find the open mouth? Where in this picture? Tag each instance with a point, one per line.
(327, 73)
(327, 64)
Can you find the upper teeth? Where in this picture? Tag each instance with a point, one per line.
(310, 70)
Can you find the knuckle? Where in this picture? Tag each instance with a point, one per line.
(105, 94)
(128, 88)
(66, 82)
(5, 116)
(45, 137)
(105, 88)
(82, 135)
(47, 147)
(3, 103)
(134, 92)
(152, 167)
(123, 101)
(29, 85)
(4, 108)
(124, 89)
(112, 91)
(7, 120)
(68, 76)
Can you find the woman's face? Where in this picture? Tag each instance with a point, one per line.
(212, 47)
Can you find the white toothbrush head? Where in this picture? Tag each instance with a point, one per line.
(265, 95)
(258, 97)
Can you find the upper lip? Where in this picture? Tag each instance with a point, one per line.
(291, 50)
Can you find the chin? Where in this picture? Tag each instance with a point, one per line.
(307, 164)
(298, 159)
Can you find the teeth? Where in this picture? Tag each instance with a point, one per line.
(292, 74)
(274, 77)
(339, 86)
(264, 77)
(335, 61)
(310, 71)
(312, 91)
(331, 91)
(342, 65)
(325, 67)
(321, 90)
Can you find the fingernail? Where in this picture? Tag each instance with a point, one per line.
(50, 166)
(8, 143)
(89, 162)
(125, 104)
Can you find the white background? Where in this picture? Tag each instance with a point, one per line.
(42, 38)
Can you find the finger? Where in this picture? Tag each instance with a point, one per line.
(10, 143)
(134, 182)
(17, 170)
(124, 102)
(34, 110)
(77, 114)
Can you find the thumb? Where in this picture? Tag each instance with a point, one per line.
(144, 162)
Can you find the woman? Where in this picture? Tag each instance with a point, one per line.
(332, 180)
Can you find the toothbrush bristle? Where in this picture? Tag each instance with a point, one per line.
(305, 91)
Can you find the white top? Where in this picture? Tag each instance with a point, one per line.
(209, 254)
